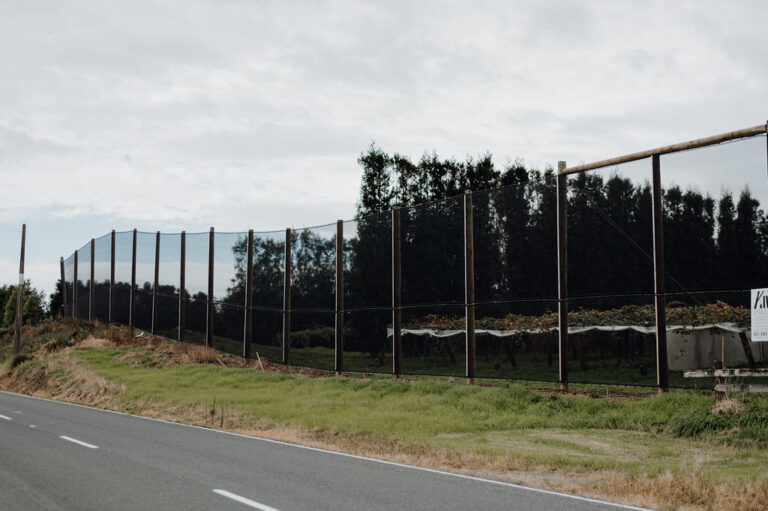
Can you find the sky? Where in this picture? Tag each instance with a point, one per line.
(251, 114)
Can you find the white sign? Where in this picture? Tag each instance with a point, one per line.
(759, 315)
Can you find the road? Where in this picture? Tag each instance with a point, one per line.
(60, 456)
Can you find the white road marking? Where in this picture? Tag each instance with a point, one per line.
(78, 442)
(32, 426)
(16, 411)
(5, 418)
(338, 453)
(243, 500)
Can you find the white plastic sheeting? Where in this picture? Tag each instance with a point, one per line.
(438, 332)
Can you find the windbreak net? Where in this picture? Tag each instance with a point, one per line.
(102, 264)
(195, 294)
(716, 252)
(313, 297)
(169, 274)
(69, 275)
(432, 241)
(145, 278)
(121, 292)
(368, 293)
(82, 286)
(230, 260)
(610, 276)
(267, 303)
(516, 280)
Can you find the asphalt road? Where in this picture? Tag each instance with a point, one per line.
(59, 456)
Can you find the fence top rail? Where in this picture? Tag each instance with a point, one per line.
(682, 146)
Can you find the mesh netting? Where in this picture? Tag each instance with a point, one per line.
(69, 274)
(266, 312)
(145, 277)
(102, 272)
(313, 281)
(368, 293)
(230, 253)
(121, 293)
(610, 276)
(196, 287)
(716, 251)
(167, 308)
(83, 281)
(516, 280)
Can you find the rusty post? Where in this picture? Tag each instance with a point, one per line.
(132, 295)
(63, 289)
(74, 288)
(248, 311)
(662, 369)
(111, 276)
(339, 323)
(209, 304)
(469, 288)
(397, 342)
(562, 273)
(20, 295)
(287, 299)
(156, 283)
(182, 287)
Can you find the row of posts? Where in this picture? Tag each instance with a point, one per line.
(396, 346)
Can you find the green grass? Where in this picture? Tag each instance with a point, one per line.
(636, 436)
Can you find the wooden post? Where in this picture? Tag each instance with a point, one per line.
(156, 283)
(20, 295)
(74, 289)
(397, 342)
(209, 311)
(90, 285)
(662, 369)
(248, 327)
(111, 277)
(132, 295)
(63, 290)
(562, 273)
(182, 286)
(287, 299)
(469, 287)
(339, 323)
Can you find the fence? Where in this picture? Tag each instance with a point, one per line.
(596, 279)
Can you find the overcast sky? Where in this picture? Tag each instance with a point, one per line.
(185, 115)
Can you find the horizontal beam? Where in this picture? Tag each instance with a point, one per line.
(674, 148)
(746, 387)
(726, 373)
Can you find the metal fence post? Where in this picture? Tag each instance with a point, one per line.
(209, 304)
(287, 299)
(339, 323)
(248, 311)
(662, 369)
(182, 286)
(562, 273)
(111, 277)
(156, 283)
(90, 285)
(74, 289)
(20, 295)
(469, 288)
(397, 343)
(132, 294)
(63, 289)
